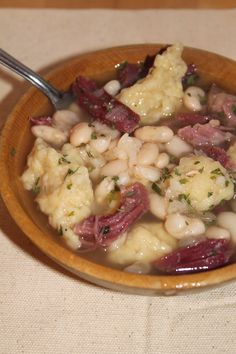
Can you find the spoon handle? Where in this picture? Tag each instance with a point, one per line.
(10, 62)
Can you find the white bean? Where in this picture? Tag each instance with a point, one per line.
(104, 129)
(227, 220)
(101, 143)
(233, 205)
(124, 178)
(162, 160)
(80, 134)
(51, 135)
(64, 119)
(158, 205)
(154, 134)
(148, 154)
(114, 168)
(118, 242)
(138, 268)
(192, 98)
(112, 87)
(103, 189)
(216, 232)
(177, 147)
(147, 172)
(181, 226)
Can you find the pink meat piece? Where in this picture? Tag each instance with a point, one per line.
(203, 134)
(201, 256)
(103, 107)
(44, 120)
(103, 230)
(219, 154)
(222, 103)
(128, 74)
(185, 119)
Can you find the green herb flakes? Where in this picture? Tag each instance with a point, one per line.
(71, 172)
(36, 188)
(72, 213)
(177, 173)
(209, 194)
(115, 179)
(90, 155)
(165, 174)
(196, 162)
(63, 160)
(217, 172)
(13, 152)
(184, 197)
(105, 230)
(130, 194)
(183, 180)
(156, 188)
(234, 108)
(93, 136)
(69, 186)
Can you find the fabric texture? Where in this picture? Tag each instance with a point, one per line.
(45, 309)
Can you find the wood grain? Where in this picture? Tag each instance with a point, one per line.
(119, 4)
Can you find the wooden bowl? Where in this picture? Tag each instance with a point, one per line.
(16, 137)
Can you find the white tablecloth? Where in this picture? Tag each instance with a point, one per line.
(44, 309)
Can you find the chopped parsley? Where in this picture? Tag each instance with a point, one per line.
(130, 194)
(184, 197)
(69, 186)
(196, 162)
(234, 109)
(183, 180)
(93, 136)
(201, 170)
(105, 230)
(156, 188)
(71, 213)
(217, 172)
(90, 154)
(177, 173)
(13, 152)
(71, 172)
(91, 169)
(191, 79)
(63, 160)
(115, 179)
(36, 188)
(165, 174)
(209, 194)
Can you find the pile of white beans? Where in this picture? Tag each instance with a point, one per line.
(114, 160)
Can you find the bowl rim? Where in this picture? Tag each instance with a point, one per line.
(86, 269)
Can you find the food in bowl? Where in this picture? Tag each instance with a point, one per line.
(139, 174)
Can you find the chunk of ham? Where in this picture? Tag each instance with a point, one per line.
(204, 134)
(218, 154)
(206, 138)
(43, 120)
(201, 256)
(103, 107)
(223, 104)
(129, 73)
(103, 230)
(185, 119)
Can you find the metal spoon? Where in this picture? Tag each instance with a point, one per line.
(60, 100)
